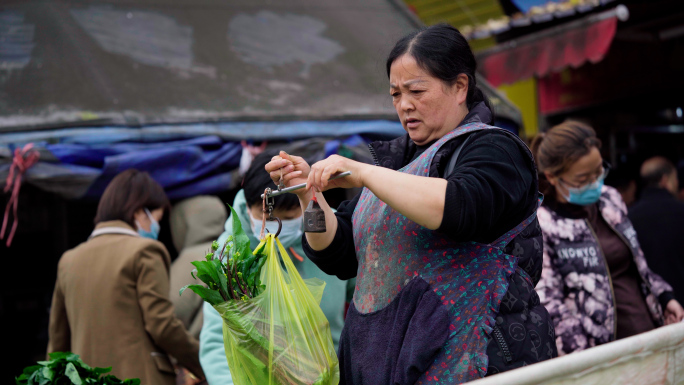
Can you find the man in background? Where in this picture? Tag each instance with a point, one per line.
(658, 218)
(195, 223)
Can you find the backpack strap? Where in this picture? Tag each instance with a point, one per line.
(454, 157)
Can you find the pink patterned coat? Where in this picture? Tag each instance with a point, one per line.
(575, 285)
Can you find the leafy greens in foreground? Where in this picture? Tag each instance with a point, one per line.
(65, 368)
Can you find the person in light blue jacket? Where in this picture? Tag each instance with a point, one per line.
(248, 206)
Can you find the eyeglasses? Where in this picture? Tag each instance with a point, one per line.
(605, 169)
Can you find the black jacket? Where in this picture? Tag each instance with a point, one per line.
(492, 189)
(658, 218)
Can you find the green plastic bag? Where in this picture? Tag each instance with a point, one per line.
(280, 336)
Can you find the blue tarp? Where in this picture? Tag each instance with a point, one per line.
(184, 168)
(186, 160)
(230, 131)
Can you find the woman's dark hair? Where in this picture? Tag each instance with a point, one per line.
(559, 148)
(257, 180)
(127, 193)
(444, 53)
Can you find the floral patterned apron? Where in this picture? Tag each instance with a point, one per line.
(468, 279)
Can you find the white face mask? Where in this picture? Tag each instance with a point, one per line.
(290, 233)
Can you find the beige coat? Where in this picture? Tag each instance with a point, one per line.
(195, 223)
(111, 306)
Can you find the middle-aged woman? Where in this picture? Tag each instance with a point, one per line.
(111, 300)
(443, 240)
(595, 281)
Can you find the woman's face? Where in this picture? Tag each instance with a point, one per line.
(586, 170)
(144, 221)
(427, 107)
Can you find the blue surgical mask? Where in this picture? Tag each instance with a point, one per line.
(290, 233)
(586, 195)
(154, 227)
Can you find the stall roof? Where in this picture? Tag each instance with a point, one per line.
(68, 63)
(567, 45)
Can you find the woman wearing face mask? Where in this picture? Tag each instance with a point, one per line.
(110, 304)
(248, 206)
(595, 282)
(443, 239)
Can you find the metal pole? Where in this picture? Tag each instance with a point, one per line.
(299, 186)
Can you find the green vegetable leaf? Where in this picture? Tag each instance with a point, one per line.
(206, 272)
(48, 373)
(73, 375)
(77, 360)
(182, 289)
(67, 368)
(223, 281)
(237, 276)
(102, 370)
(58, 355)
(43, 381)
(35, 377)
(240, 239)
(31, 369)
(211, 296)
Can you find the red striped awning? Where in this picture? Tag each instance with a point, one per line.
(569, 45)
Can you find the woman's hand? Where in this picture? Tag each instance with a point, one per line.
(321, 172)
(293, 169)
(673, 312)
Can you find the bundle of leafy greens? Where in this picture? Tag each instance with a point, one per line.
(68, 369)
(275, 335)
(231, 271)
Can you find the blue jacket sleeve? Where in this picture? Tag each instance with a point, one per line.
(212, 351)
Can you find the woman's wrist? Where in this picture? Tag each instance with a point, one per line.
(365, 170)
(305, 196)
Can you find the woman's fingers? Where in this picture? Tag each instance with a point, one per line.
(312, 180)
(292, 158)
(294, 174)
(289, 170)
(276, 164)
(327, 172)
(278, 169)
(321, 172)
